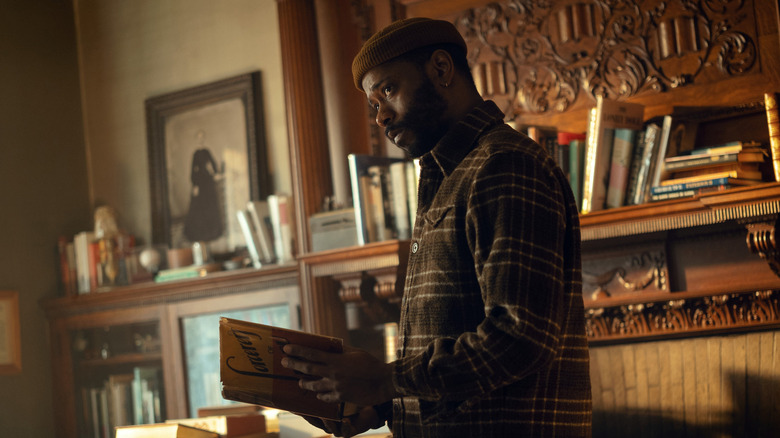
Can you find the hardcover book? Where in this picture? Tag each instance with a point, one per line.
(163, 430)
(622, 155)
(251, 369)
(773, 124)
(227, 426)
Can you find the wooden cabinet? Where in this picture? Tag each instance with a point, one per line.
(104, 343)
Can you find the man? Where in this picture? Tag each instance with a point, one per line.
(491, 337)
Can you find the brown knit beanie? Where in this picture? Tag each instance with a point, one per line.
(401, 37)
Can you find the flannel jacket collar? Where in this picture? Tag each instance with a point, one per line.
(461, 138)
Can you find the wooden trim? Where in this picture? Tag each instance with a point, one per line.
(706, 209)
(306, 124)
(217, 283)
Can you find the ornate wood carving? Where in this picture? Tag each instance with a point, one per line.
(762, 240)
(539, 57)
(692, 315)
(625, 272)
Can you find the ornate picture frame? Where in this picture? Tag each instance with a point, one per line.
(10, 333)
(207, 159)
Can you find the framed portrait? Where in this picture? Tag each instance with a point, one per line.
(10, 333)
(207, 159)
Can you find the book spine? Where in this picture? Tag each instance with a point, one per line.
(81, 242)
(663, 145)
(258, 212)
(358, 199)
(412, 179)
(251, 244)
(622, 152)
(773, 124)
(400, 200)
(633, 170)
(689, 186)
(576, 155)
(280, 210)
(589, 165)
(375, 203)
(649, 151)
(700, 161)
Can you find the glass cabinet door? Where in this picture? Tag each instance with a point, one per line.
(199, 325)
(117, 372)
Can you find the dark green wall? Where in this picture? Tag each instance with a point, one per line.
(43, 188)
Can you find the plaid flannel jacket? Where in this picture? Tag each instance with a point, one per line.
(492, 335)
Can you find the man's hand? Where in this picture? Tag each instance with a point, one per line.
(353, 376)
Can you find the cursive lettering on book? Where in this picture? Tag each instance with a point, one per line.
(244, 338)
(255, 374)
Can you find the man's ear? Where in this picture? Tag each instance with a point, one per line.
(441, 68)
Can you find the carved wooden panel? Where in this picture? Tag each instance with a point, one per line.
(541, 57)
(684, 316)
(627, 272)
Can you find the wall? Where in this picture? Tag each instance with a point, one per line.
(44, 188)
(130, 51)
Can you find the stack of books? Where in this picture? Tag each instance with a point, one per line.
(711, 169)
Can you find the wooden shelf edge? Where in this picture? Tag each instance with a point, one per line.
(705, 209)
(150, 292)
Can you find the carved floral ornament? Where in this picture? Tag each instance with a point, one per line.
(716, 313)
(536, 56)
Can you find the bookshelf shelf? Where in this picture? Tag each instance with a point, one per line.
(121, 359)
(740, 204)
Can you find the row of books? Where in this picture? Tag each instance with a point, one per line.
(88, 263)
(268, 230)
(123, 399)
(384, 196)
(624, 160)
(709, 169)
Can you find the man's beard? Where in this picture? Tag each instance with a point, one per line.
(425, 120)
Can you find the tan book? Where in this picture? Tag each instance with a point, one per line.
(251, 369)
(773, 124)
(227, 426)
(163, 430)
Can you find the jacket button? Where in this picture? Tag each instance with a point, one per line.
(415, 247)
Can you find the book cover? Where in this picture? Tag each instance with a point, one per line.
(622, 153)
(773, 124)
(259, 216)
(251, 369)
(227, 426)
(163, 430)
(607, 116)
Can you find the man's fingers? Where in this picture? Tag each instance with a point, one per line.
(310, 354)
